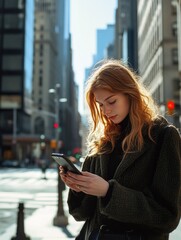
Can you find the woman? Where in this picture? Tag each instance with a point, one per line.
(130, 179)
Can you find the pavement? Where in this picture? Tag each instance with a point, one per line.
(39, 226)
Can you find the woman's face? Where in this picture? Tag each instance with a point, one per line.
(114, 105)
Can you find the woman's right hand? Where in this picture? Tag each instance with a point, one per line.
(63, 176)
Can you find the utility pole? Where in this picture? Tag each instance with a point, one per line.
(60, 219)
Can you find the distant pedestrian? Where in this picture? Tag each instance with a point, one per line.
(27, 162)
(43, 168)
(131, 179)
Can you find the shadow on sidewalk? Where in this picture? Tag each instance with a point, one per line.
(67, 232)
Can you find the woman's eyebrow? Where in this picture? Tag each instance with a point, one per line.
(106, 98)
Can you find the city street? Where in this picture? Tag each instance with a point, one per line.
(40, 201)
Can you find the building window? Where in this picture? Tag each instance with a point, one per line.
(0, 20)
(175, 56)
(14, 4)
(39, 126)
(174, 29)
(40, 102)
(41, 47)
(11, 84)
(12, 62)
(13, 21)
(40, 81)
(13, 41)
(41, 50)
(173, 9)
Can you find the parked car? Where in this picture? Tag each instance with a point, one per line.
(10, 163)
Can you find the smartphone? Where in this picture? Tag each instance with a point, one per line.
(65, 162)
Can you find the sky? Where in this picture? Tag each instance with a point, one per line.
(86, 16)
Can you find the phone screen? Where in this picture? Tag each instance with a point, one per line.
(65, 162)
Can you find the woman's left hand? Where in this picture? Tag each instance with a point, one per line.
(88, 183)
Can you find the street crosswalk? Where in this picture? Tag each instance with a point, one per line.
(38, 194)
(25, 173)
(29, 186)
(40, 198)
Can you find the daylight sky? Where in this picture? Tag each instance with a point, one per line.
(86, 16)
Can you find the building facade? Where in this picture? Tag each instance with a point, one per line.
(126, 47)
(158, 53)
(16, 63)
(36, 56)
(44, 74)
(52, 68)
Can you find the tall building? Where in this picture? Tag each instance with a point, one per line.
(45, 53)
(54, 78)
(158, 53)
(69, 115)
(104, 46)
(104, 38)
(16, 63)
(126, 33)
(35, 46)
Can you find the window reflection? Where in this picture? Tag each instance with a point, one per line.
(13, 41)
(11, 83)
(13, 4)
(12, 62)
(13, 21)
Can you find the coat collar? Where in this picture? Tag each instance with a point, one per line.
(131, 157)
(124, 164)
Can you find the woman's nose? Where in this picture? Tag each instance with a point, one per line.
(106, 110)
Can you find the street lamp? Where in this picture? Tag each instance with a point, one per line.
(60, 219)
(58, 100)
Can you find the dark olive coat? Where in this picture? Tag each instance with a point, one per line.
(145, 188)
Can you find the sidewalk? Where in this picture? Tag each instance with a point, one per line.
(39, 226)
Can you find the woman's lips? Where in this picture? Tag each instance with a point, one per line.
(112, 117)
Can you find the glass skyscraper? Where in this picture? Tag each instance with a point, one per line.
(16, 61)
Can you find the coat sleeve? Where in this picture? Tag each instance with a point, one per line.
(81, 205)
(158, 206)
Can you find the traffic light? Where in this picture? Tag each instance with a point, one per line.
(55, 125)
(170, 107)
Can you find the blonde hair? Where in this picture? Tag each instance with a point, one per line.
(114, 76)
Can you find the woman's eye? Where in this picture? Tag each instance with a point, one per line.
(112, 102)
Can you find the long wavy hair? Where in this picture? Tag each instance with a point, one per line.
(116, 77)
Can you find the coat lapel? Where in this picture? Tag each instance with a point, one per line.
(129, 160)
(104, 164)
(124, 164)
